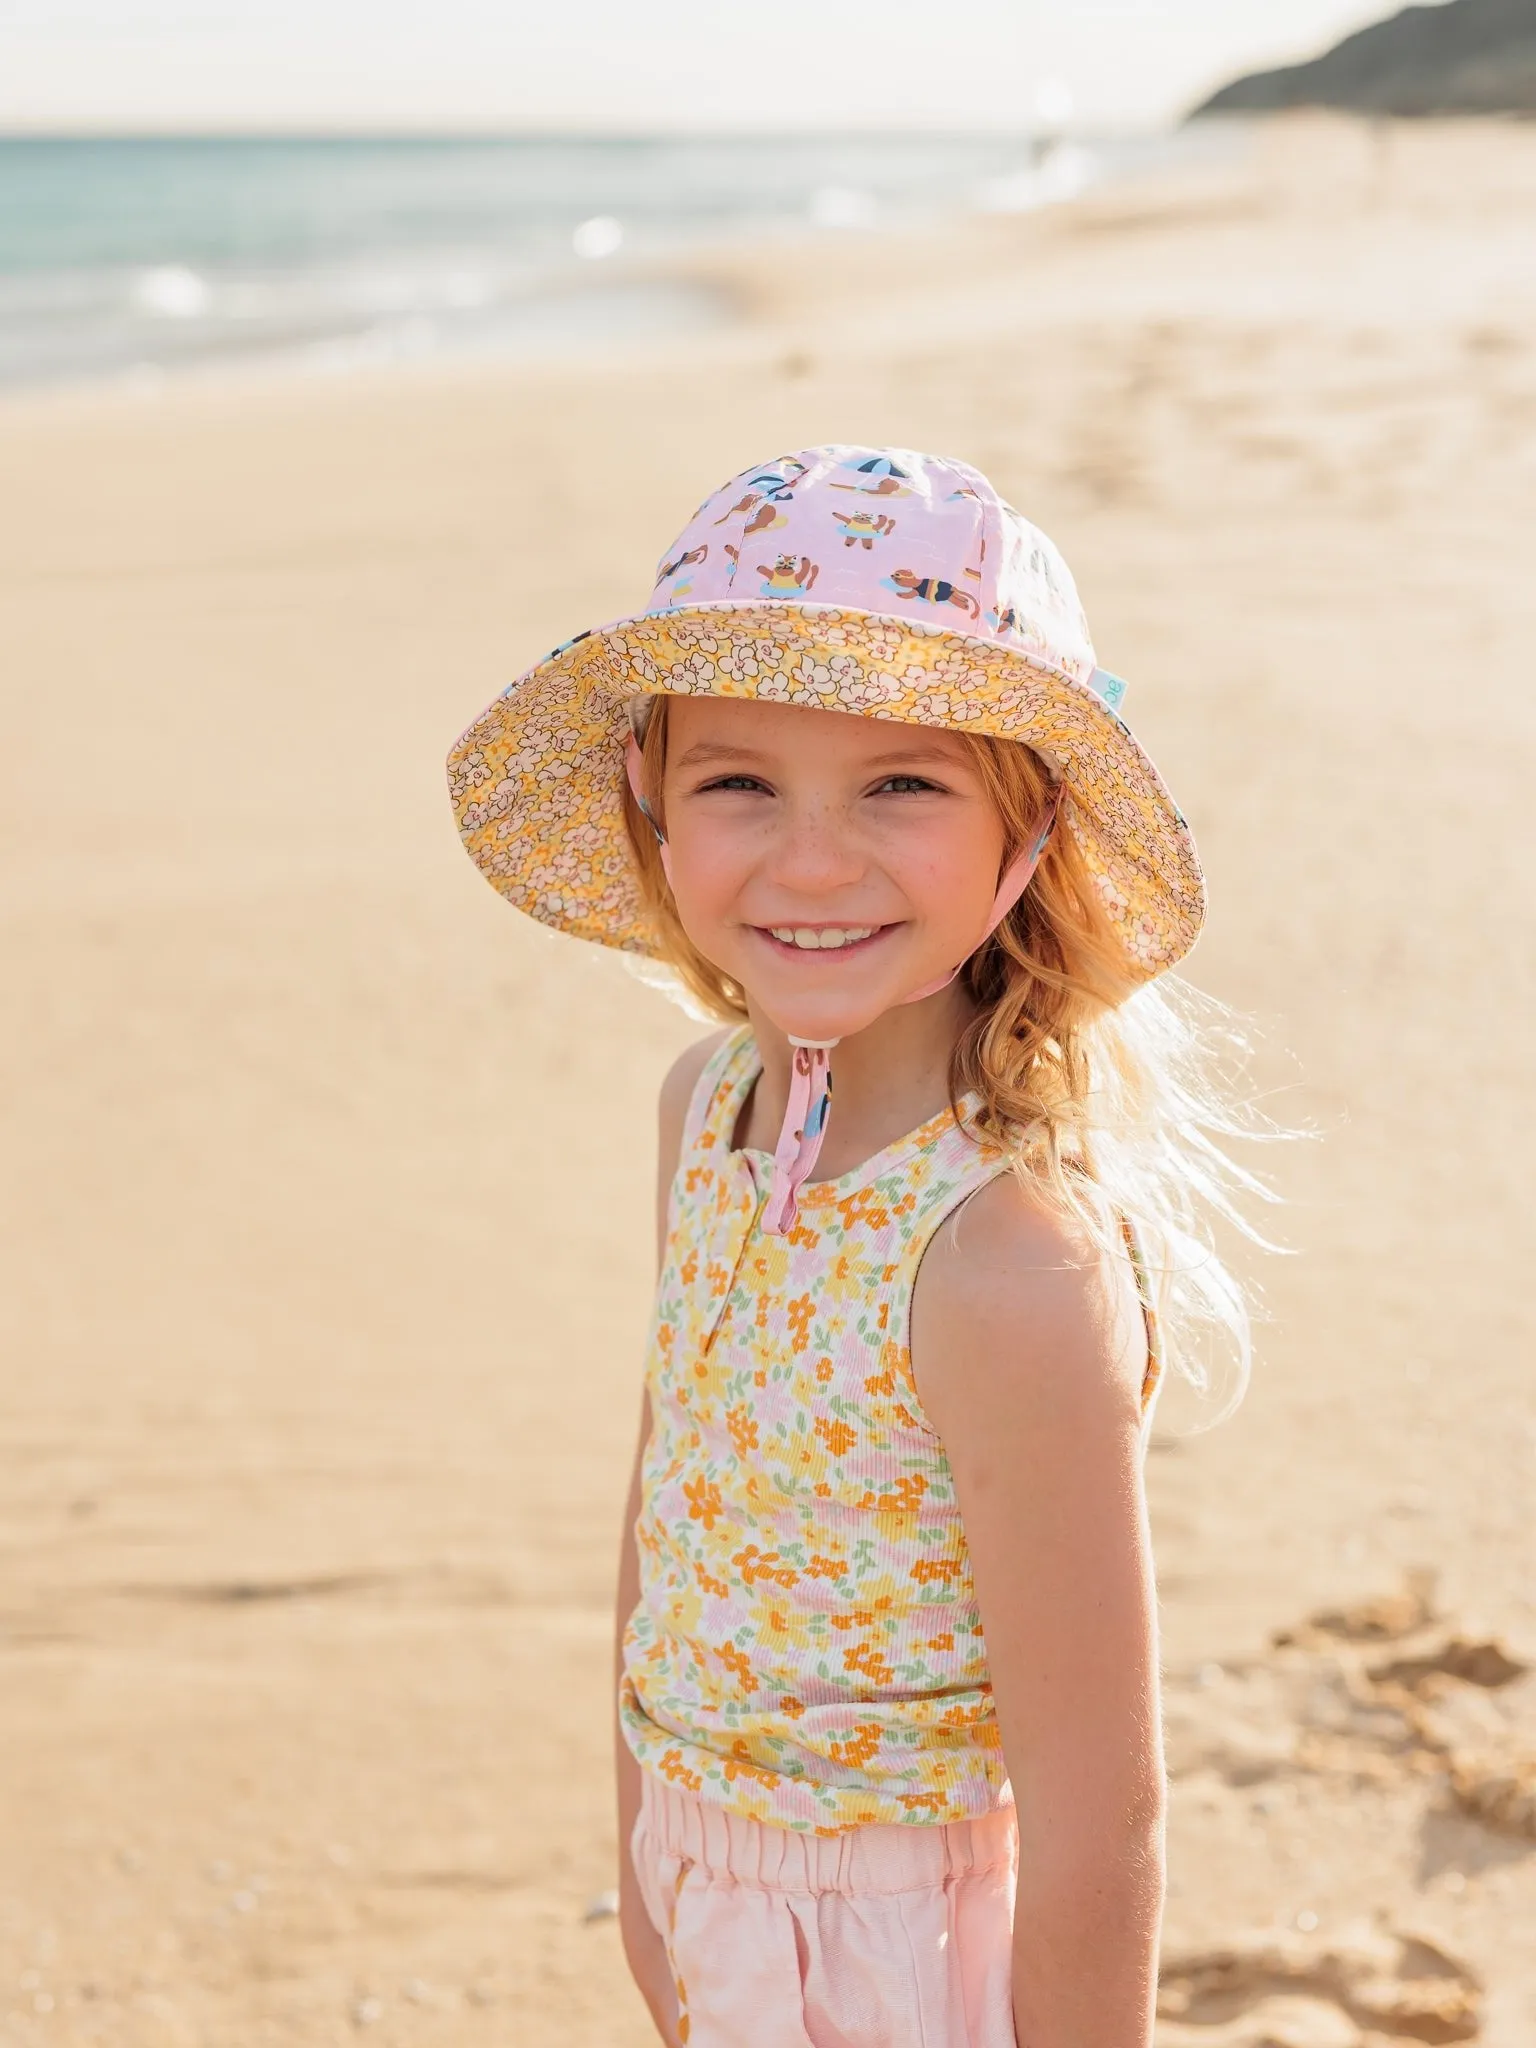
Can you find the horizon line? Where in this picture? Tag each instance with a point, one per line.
(1023, 131)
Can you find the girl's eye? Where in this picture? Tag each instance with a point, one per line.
(907, 785)
(734, 782)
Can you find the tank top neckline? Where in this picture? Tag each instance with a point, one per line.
(759, 1162)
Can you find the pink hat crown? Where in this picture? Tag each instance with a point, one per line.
(884, 530)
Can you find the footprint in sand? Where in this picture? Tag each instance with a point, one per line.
(1446, 1701)
(1370, 1990)
(1382, 1620)
(1391, 1692)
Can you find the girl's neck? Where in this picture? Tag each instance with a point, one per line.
(887, 1079)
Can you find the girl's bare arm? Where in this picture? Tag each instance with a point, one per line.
(1028, 1347)
(644, 1948)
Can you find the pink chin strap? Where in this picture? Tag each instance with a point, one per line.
(810, 1073)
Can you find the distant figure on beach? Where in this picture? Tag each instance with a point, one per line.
(890, 1765)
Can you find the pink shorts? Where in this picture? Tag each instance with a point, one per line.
(882, 1937)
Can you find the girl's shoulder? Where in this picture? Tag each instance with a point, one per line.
(693, 1075)
(1011, 1287)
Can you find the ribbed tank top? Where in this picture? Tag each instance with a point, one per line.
(807, 1648)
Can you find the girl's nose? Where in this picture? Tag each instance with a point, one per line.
(815, 850)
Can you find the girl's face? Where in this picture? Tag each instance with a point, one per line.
(829, 863)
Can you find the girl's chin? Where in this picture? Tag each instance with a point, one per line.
(826, 997)
(821, 993)
(801, 1027)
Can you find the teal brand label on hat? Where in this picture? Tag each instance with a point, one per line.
(1110, 688)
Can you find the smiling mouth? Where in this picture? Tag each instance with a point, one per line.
(820, 939)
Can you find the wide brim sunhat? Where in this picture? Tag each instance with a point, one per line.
(878, 582)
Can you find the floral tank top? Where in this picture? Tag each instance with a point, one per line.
(807, 1648)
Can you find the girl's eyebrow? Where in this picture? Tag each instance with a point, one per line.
(716, 750)
(703, 751)
(914, 752)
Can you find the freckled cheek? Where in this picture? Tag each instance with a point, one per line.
(951, 881)
(709, 869)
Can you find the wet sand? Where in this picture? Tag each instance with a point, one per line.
(324, 1179)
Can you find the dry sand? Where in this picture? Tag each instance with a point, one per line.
(325, 1178)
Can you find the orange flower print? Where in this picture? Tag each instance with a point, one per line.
(929, 1569)
(754, 1564)
(944, 1642)
(903, 1500)
(788, 1704)
(673, 1767)
(689, 1269)
(734, 1660)
(739, 1764)
(862, 1746)
(838, 1437)
(866, 1658)
(880, 1383)
(922, 1802)
(709, 1584)
(826, 1568)
(704, 1502)
(799, 1314)
(824, 1370)
(966, 1713)
(738, 1421)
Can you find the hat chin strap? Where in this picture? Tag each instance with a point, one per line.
(810, 1072)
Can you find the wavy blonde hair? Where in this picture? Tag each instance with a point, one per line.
(1116, 1096)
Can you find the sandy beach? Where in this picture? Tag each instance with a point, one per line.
(324, 1179)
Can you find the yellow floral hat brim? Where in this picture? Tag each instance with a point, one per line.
(536, 781)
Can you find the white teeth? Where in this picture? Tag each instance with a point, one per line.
(809, 940)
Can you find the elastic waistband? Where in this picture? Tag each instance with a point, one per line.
(880, 1858)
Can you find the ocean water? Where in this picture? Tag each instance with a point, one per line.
(143, 257)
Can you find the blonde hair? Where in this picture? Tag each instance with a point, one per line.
(1116, 1096)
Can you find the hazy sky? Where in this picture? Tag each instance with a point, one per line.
(631, 64)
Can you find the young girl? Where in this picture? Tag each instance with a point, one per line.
(890, 1769)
